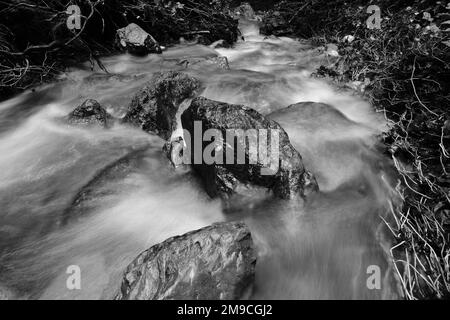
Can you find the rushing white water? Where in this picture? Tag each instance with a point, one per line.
(318, 249)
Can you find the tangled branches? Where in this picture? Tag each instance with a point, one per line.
(35, 43)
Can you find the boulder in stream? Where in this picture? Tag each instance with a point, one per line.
(271, 162)
(90, 113)
(216, 262)
(154, 107)
(136, 40)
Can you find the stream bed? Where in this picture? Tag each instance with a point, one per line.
(319, 249)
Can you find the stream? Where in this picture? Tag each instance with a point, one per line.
(320, 249)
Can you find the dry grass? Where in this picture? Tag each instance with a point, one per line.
(414, 97)
(406, 66)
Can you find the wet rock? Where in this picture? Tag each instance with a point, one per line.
(155, 106)
(216, 262)
(286, 177)
(90, 113)
(174, 151)
(136, 40)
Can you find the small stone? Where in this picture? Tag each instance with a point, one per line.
(90, 113)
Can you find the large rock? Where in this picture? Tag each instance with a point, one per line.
(154, 107)
(136, 40)
(217, 262)
(288, 180)
(90, 113)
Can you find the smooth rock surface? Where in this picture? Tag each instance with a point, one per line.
(216, 262)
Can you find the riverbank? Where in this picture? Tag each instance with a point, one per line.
(403, 69)
(36, 44)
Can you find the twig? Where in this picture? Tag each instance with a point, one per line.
(414, 88)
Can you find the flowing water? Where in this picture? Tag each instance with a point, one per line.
(133, 198)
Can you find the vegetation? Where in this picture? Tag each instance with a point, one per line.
(35, 43)
(404, 70)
